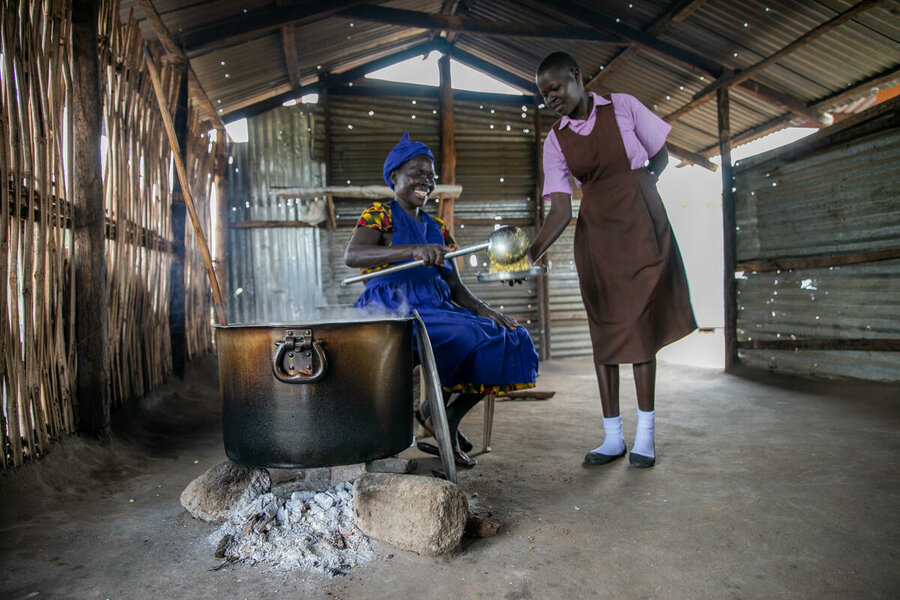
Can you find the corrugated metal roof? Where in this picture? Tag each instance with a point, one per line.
(727, 33)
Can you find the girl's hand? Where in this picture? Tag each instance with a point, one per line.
(432, 254)
(483, 310)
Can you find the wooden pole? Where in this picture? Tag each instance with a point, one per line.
(221, 180)
(729, 241)
(178, 216)
(331, 253)
(448, 147)
(543, 280)
(185, 186)
(92, 349)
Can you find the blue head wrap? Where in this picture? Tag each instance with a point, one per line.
(402, 152)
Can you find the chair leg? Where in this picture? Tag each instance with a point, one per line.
(488, 422)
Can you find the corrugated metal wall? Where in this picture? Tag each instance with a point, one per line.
(838, 197)
(496, 169)
(274, 274)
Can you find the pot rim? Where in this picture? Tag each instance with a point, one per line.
(317, 323)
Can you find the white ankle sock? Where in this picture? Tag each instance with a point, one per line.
(613, 442)
(643, 437)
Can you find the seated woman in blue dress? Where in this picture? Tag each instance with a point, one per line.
(478, 350)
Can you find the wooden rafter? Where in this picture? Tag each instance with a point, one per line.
(695, 63)
(691, 158)
(737, 77)
(731, 79)
(437, 21)
(493, 70)
(261, 21)
(777, 123)
(171, 46)
(290, 51)
(335, 79)
(676, 14)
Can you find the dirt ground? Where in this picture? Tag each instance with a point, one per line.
(765, 487)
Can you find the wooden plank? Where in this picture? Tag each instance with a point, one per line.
(91, 285)
(845, 344)
(818, 262)
(473, 26)
(861, 88)
(367, 192)
(691, 158)
(268, 224)
(260, 21)
(729, 237)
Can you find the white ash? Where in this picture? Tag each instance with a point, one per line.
(311, 530)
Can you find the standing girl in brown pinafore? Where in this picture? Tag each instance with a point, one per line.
(629, 266)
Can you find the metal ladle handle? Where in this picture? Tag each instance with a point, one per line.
(415, 263)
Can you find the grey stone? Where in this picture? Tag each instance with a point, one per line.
(346, 473)
(392, 465)
(418, 514)
(223, 490)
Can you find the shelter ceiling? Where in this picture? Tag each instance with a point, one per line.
(667, 53)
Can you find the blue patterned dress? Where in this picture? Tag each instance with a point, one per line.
(473, 354)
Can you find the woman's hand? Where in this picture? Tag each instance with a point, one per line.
(431, 254)
(483, 310)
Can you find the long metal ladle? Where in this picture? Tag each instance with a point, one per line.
(505, 246)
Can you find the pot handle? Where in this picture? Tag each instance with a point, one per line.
(303, 346)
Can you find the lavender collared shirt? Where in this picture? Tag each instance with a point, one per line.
(643, 134)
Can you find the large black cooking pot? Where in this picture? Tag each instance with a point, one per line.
(318, 394)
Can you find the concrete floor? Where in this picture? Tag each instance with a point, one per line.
(765, 487)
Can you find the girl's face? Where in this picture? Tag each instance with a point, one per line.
(561, 88)
(413, 181)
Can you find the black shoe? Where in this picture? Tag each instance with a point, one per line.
(464, 444)
(595, 458)
(459, 457)
(640, 461)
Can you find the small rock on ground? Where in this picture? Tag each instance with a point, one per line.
(224, 489)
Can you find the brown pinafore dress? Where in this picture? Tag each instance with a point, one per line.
(629, 266)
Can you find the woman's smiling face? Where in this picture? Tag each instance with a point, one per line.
(414, 181)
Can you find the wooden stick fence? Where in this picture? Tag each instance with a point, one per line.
(36, 306)
(37, 301)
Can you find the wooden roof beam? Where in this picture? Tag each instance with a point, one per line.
(258, 22)
(437, 21)
(489, 68)
(336, 79)
(731, 79)
(697, 64)
(290, 51)
(171, 46)
(772, 125)
(676, 14)
(690, 158)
